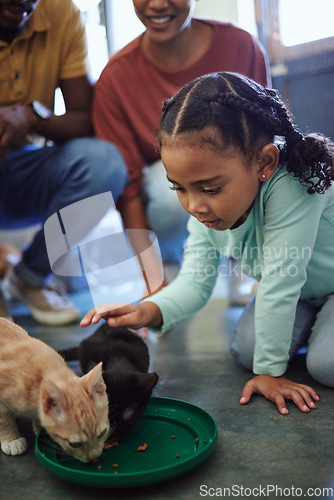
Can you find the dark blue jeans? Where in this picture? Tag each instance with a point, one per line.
(36, 183)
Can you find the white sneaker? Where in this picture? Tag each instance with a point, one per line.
(48, 305)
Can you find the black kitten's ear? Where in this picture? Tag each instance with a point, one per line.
(71, 354)
(91, 365)
(146, 381)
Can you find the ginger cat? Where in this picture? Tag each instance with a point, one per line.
(36, 382)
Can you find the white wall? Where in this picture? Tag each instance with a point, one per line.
(240, 12)
(123, 23)
(226, 10)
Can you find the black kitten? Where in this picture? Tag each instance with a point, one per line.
(125, 362)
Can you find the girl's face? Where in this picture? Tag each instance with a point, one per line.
(164, 19)
(217, 189)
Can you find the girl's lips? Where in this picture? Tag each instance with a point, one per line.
(211, 224)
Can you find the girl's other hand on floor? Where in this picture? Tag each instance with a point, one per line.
(277, 389)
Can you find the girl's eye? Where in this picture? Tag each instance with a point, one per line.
(76, 445)
(212, 191)
(179, 189)
(103, 433)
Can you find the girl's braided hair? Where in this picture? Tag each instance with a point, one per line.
(244, 113)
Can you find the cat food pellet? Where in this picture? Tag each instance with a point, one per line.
(142, 448)
(107, 446)
(99, 466)
(177, 456)
(115, 466)
(196, 440)
(173, 437)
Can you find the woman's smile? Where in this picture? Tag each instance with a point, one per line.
(160, 20)
(164, 21)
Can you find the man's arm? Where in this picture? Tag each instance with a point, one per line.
(133, 213)
(134, 217)
(76, 122)
(17, 121)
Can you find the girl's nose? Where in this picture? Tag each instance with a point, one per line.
(196, 205)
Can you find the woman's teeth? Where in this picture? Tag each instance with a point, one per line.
(160, 20)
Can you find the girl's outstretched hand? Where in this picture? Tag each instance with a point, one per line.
(277, 389)
(128, 315)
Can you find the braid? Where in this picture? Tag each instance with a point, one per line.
(253, 108)
(258, 115)
(309, 158)
(243, 113)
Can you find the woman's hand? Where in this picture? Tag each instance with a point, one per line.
(277, 389)
(128, 315)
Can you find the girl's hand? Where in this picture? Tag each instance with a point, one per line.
(276, 389)
(128, 315)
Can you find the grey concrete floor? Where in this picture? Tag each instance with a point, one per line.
(259, 452)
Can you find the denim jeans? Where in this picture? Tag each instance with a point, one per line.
(165, 214)
(313, 328)
(36, 183)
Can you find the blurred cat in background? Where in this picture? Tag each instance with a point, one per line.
(125, 361)
(36, 382)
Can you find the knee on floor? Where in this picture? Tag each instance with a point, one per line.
(321, 369)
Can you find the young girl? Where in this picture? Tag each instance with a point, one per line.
(273, 205)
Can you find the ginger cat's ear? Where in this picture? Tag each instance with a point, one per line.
(52, 400)
(95, 383)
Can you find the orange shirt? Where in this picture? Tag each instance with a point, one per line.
(51, 47)
(130, 92)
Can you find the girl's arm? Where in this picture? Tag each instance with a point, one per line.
(192, 288)
(188, 293)
(290, 229)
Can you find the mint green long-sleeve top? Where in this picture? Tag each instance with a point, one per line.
(286, 243)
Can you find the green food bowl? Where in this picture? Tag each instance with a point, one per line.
(179, 436)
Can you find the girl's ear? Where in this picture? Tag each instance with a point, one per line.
(267, 162)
